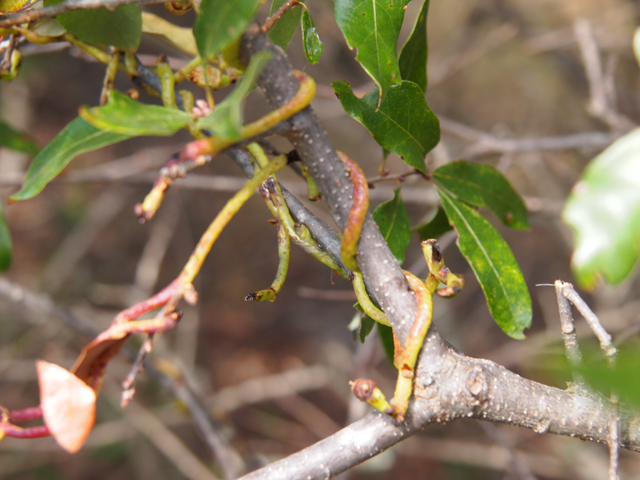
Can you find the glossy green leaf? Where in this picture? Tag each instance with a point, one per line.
(6, 251)
(15, 140)
(121, 27)
(436, 226)
(393, 221)
(76, 138)
(372, 27)
(282, 32)
(494, 265)
(222, 22)
(604, 212)
(126, 116)
(413, 57)
(484, 186)
(313, 46)
(226, 118)
(386, 338)
(403, 124)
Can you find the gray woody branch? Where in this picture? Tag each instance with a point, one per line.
(448, 384)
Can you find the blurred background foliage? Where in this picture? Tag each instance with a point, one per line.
(274, 376)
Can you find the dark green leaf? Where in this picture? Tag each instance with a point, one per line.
(393, 220)
(366, 327)
(313, 47)
(435, 227)
(403, 124)
(372, 26)
(484, 186)
(282, 32)
(15, 140)
(413, 57)
(222, 22)
(386, 337)
(121, 27)
(6, 254)
(226, 118)
(493, 264)
(76, 138)
(604, 212)
(125, 116)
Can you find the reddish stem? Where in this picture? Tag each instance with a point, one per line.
(157, 301)
(26, 414)
(11, 430)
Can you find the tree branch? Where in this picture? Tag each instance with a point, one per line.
(448, 385)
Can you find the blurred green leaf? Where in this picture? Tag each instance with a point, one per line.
(435, 227)
(226, 118)
(6, 251)
(15, 140)
(393, 221)
(386, 337)
(282, 32)
(76, 138)
(222, 22)
(603, 210)
(484, 186)
(121, 27)
(413, 57)
(366, 327)
(313, 46)
(126, 116)
(494, 265)
(372, 27)
(636, 45)
(403, 124)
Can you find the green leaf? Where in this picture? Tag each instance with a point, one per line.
(604, 212)
(282, 32)
(366, 327)
(493, 264)
(226, 118)
(386, 337)
(121, 27)
(484, 186)
(76, 138)
(403, 124)
(313, 47)
(125, 116)
(15, 140)
(372, 26)
(222, 22)
(6, 254)
(393, 221)
(413, 57)
(435, 227)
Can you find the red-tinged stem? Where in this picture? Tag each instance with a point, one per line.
(14, 431)
(157, 301)
(26, 414)
(357, 214)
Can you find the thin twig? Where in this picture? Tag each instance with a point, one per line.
(599, 105)
(603, 336)
(614, 442)
(484, 143)
(569, 335)
(168, 443)
(273, 19)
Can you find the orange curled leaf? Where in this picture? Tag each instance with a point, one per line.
(68, 405)
(357, 214)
